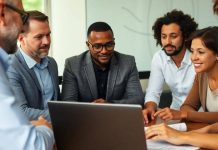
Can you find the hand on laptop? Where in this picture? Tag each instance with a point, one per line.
(100, 100)
(41, 121)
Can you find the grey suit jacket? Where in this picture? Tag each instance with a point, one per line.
(123, 86)
(26, 87)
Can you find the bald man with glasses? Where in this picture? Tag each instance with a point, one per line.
(16, 132)
(101, 74)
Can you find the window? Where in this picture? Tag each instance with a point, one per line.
(34, 5)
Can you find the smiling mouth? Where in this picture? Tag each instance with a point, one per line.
(197, 65)
(169, 48)
(104, 57)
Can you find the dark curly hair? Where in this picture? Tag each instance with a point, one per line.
(215, 7)
(186, 23)
(208, 36)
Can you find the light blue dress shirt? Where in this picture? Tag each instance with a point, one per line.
(16, 133)
(43, 76)
(179, 80)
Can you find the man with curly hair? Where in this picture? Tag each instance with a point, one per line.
(171, 64)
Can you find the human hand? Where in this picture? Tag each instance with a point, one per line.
(148, 114)
(41, 121)
(167, 114)
(100, 100)
(165, 133)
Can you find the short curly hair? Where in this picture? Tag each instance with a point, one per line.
(215, 7)
(186, 23)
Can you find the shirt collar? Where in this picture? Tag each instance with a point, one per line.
(186, 59)
(32, 63)
(5, 59)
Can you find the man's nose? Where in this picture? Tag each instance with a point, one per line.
(46, 40)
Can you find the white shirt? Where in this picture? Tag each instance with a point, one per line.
(179, 80)
(16, 133)
(212, 100)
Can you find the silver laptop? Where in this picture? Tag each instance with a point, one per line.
(88, 126)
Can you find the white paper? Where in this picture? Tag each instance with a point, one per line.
(177, 126)
(161, 145)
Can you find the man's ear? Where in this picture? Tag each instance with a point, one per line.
(2, 15)
(21, 37)
(87, 44)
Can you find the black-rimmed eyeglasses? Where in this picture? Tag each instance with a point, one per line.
(24, 15)
(98, 47)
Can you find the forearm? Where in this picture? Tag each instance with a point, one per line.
(213, 128)
(187, 108)
(204, 117)
(208, 141)
(33, 113)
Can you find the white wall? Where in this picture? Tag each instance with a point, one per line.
(68, 26)
(132, 21)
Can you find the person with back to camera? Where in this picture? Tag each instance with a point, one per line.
(16, 132)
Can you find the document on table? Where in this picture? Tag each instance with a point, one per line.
(177, 126)
(161, 145)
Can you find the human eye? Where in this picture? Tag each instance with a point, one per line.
(38, 37)
(201, 52)
(48, 35)
(97, 46)
(173, 36)
(111, 44)
(163, 36)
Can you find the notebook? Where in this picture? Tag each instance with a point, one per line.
(89, 126)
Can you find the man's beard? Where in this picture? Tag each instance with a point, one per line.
(176, 51)
(9, 45)
(41, 54)
(9, 39)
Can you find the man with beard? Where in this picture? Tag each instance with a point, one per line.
(101, 74)
(172, 64)
(33, 75)
(15, 130)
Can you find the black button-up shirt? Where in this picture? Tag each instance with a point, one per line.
(101, 79)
